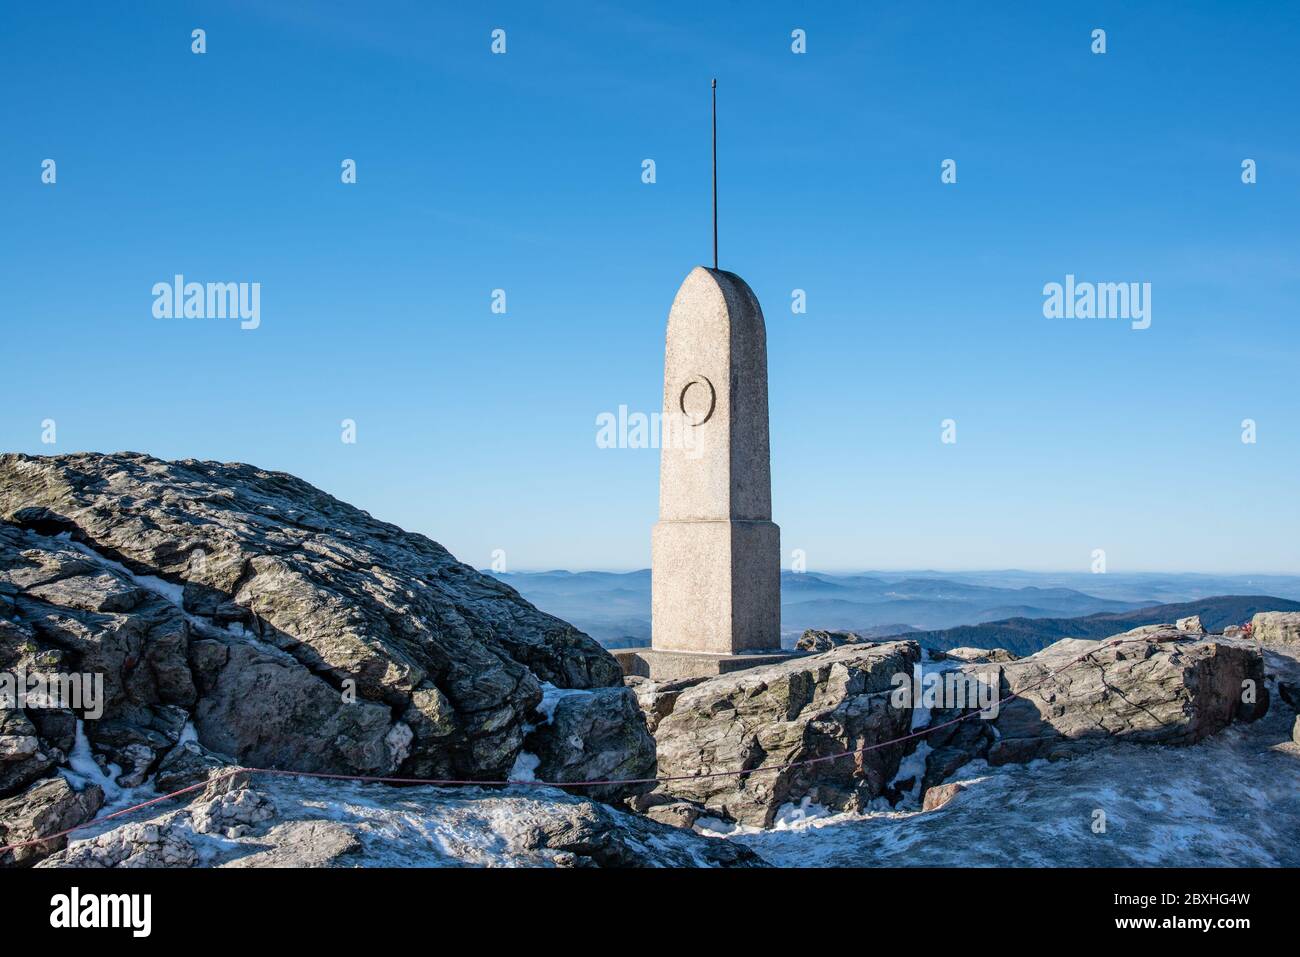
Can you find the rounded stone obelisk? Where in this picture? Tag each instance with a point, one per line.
(715, 566)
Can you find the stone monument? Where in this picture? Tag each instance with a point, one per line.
(715, 553)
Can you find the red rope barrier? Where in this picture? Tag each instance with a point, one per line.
(453, 782)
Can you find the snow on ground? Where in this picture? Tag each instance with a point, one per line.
(913, 766)
(353, 824)
(83, 769)
(404, 831)
(1233, 800)
(1230, 801)
(525, 767)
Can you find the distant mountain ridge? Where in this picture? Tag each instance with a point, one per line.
(1024, 636)
(614, 607)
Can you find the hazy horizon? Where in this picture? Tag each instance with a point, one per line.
(615, 607)
(841, 572)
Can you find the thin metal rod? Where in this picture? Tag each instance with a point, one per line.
(715, 172)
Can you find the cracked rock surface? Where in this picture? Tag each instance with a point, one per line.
(762, 719)
(238, 615)
(1157, 685)
(264, 821)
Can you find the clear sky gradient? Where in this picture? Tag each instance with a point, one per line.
(523, 172)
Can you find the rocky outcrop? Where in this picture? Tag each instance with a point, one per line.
(595, 735)
(658, 698)
(676, 813)
(24, 757)
(764, 718)
(265, 821)
(231, 807)
(1276, 627)
(45, 808)
(1155, 685)
(939, 795)
(187, 764)
(1154, 692)
(976, 656)
(1282, 670)
(1231, 800)
(817, 641)
(131, 845)
(250, 616)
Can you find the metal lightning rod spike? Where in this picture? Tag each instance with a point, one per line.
(715, 172)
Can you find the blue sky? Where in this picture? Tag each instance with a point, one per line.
(523, 172)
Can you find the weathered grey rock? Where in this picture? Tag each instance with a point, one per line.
(232, 813)
(954, 746)
(597, 735)
(936, 797)
(16, 747)
(1148, 692)
(1289, 691)
(817, 641)
(772, 716)
(57, 727)
(1162, 632)
(134, 844)
(976, 656)
(135, 743)
(1192, 623)
(24, 756)
(602, 837)
(45, 808)
(228, 808)
(18, 774)
(71, 609)
(18, 739)
(137, 760)
(1276, 627)
(187, 764)
(244, 820)
(657, 698)
(295, 630)
(260, 705)
(1159, 686)
(1295, 731)
(305, 844)
(1232, 800)
(140, 654)
(675, 813)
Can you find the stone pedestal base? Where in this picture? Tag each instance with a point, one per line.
(672, 665)
(715, 587)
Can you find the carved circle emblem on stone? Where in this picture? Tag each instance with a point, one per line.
(698, 400)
